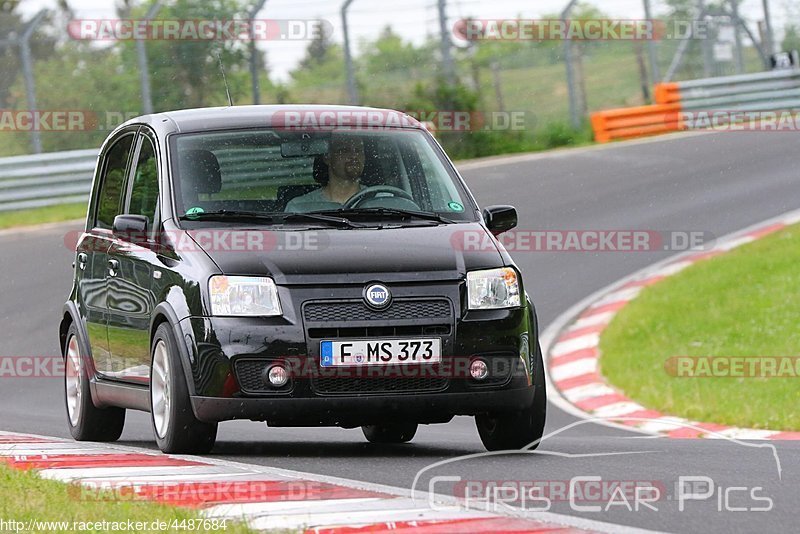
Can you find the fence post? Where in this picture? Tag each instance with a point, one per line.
(144, 72)
(352, 88)
(253, 52)
(27, 72)
(574, 115)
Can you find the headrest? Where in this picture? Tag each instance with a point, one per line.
(320, 170)
(200, 172)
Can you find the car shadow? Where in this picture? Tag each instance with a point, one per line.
(320, 449)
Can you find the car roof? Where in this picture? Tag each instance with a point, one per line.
(232, 117)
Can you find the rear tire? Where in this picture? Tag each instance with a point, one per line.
(514, 430)
(176, 429)
(86, 421)
(391, 433)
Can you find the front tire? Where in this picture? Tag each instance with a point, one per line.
(391, 433)
(517, 429)
(176, 429)
(86, 421)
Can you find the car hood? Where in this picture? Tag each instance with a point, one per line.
(332, 256)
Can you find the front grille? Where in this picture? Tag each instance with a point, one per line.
(375, 385)
(352, 311)
(379, 331)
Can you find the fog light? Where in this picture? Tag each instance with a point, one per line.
(278, 376)
(479, 370)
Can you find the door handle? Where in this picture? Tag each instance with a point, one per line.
(113, 265)
(82, 259)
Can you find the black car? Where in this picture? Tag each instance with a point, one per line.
(303, 266)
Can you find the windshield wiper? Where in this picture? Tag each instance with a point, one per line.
(320, 217)
(227, 215)
(384, 212)
(275, 218)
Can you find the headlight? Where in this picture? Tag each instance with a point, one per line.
(493, 289)
(243, 295)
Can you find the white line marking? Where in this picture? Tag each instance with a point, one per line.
(617, 409)
(571, 345)
(311, 506)
(573, 369)
(597, 389)
(742, 433)
(673, 268)
(621, 295)
(592, 320)
(735, 243)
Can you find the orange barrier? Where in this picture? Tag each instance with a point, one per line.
(667, 93)
(629, 123)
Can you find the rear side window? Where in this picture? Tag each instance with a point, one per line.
(144, 194)
(113, 182)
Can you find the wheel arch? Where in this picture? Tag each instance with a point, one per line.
(71, 315)
(164, 313)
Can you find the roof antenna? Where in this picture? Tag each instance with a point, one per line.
(225, 79)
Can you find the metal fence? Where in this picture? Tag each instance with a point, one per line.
(46, 179)
(65, 177)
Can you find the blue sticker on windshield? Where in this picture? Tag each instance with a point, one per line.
(455, 206)
(194, 211)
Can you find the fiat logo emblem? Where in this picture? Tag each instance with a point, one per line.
(377, 296)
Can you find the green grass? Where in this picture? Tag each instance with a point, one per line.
(26, 497)
(743, 303)
(62, 212)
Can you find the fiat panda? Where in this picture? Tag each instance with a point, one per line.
(299, 266)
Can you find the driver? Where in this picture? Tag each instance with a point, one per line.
(345, 161)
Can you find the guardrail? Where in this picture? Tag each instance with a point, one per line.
(64, 177)
(46, 179)
(675, 102)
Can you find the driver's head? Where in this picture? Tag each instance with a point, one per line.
(345, 157)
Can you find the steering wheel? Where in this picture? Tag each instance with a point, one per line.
(374, 191)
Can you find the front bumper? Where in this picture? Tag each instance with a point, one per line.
(353, 411)
(220, 349)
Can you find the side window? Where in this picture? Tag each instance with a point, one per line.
(113, 182)
(144, 193)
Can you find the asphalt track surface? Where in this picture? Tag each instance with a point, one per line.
(715, 183)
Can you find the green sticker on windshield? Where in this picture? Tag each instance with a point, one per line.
(194, 211)
(455, 206)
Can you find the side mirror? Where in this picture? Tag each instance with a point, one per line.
(130, 226)
(500, 219)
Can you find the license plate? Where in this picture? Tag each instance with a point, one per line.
(354, 352)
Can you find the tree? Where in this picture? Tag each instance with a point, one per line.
(391, 66)
(186, 73)
(319, 77)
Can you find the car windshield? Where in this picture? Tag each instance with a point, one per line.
(363, 174)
